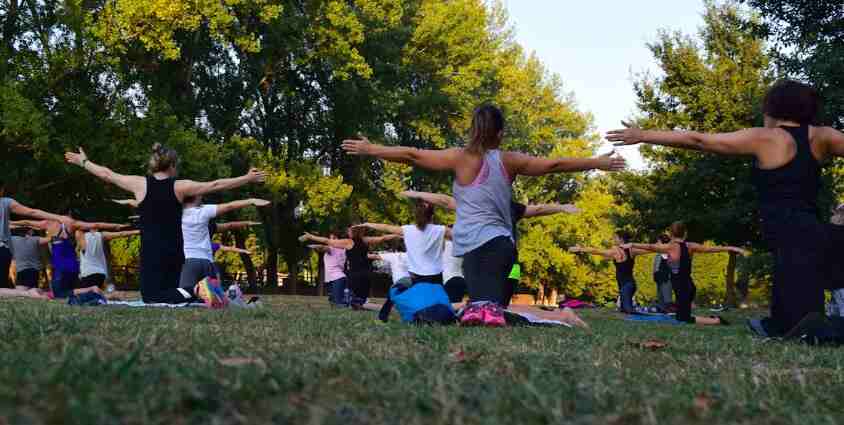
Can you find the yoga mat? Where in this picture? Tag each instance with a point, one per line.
(654, 318)
(139, 303)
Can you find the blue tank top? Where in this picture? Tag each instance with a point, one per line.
(63, 252)
(483, 207)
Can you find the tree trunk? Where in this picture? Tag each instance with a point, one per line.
(271, 261)
(251, 276)
(553, 298)
(540, 294)
(731, 298)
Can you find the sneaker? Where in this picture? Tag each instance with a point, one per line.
(211, 293)
(472, 315)
(493, 316)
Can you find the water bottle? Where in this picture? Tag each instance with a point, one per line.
(110, 288)
(347, 297)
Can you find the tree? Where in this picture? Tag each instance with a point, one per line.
(714, 84)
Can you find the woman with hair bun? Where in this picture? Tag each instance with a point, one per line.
(160, 196)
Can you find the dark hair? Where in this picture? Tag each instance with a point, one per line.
(424, 214)
(792, 101)
(487, 124)
(663, 238)
(623, 235)
(678, 229)
(162, 159)
(357, 233)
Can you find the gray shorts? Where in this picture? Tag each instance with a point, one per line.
(194, 270)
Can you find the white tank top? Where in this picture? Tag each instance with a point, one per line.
(93, 259)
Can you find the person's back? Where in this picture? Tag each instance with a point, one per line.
(27, 253)
(335, 262)
(195, 231)
(93, 260)
(162, 253)
(424, 249)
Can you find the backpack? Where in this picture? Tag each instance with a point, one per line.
(424, 303)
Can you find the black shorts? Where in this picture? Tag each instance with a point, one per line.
(96, 279)
(28, 278)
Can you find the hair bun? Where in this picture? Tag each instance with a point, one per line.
(157, 148)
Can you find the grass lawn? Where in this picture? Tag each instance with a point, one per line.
(298, 361)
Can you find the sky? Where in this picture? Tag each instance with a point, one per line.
(596, 46)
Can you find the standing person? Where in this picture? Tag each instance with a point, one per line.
(788, 154)
(9, 206)
(624, 261)
(199, 254)
(161, 195)
(424, 242)
(27, 255)
(334, 270)
(358, 266)
(93, 267)
(662, 278)
(680, 255)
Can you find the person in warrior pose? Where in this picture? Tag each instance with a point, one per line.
(160, 195)
(484, 174)
(789, 152)
(680, 255)
(624, 260)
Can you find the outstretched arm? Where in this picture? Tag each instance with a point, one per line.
(834, 140)
(134, 184)
(236, 205)
(549, 209)
(520, 164)
(334, 243)
(383, 228)
(235, 225)
(435, 160)
(374, 257)
(377, 240)
(33, 224)
(128, 202)
(84, 225)
(20, 209)
(606, 253)
(437, 199)
(319, 248)
(657, 248)
(742, 142)
(118, 235)
(235, 250)
(186, 188)
(703, 249)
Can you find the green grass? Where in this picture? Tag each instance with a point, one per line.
(298, 361)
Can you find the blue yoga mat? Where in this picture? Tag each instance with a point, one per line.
(654, 318)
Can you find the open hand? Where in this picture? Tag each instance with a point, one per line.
(630, 135)
(76, 158)
(257, 176)
(610, 162)
(305, 237)
(357, 147)
(260, 202)
(575, 249)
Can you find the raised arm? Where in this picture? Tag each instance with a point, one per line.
(118, 235)
(704, 249)
(383, 228)
(437, 199)
(33, 224)
(334, 243)
(134, 184)
(235, 225)
(549, 209)
(606, 253)
(520, 164)
(743, 142)
(186, 188)
(19, 209)
(377, 240)
(236, 205)
(436, 160)
(833, 139)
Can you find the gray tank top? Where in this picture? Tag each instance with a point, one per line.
(26, 253)
(483, 207)
(5, 231)
(93, 259)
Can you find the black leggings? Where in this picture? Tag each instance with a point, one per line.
(359, 286)
(456, 289)
(160, 283)
(685, 292)
(487, 268)
(434, 278)
(5, 264)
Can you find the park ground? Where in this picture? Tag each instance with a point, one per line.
(298, 361)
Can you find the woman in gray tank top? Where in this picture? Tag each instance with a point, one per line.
(483, 177)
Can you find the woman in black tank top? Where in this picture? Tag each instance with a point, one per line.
(159, 196)
(624, 262)
(680, 260)
(788, 153)
(358, 265)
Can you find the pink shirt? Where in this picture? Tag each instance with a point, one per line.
(335, 264)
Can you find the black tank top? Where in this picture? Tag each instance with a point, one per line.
(161, 223)
(357, 258)
(624, 269)
(794, 186)
(682, 270)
